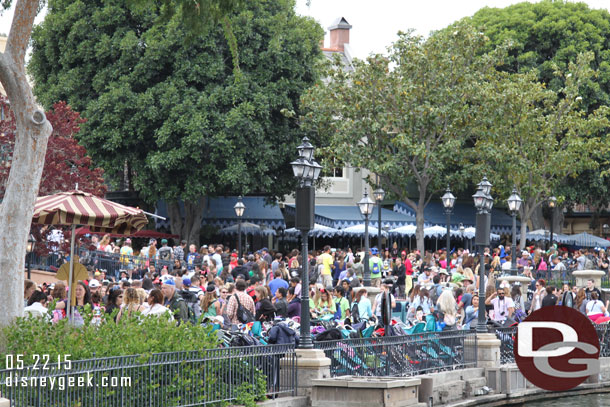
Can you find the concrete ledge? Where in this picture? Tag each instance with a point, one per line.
(5, 403)
(522, 397)
(368, 382)
(285, 402)
(311, 358)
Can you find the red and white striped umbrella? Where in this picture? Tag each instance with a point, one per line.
(82, 208)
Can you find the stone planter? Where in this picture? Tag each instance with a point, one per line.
(352, 391)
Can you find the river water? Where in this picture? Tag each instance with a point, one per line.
(591, 400)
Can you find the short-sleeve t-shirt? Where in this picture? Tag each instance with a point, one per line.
(327, 260)
(343, 304)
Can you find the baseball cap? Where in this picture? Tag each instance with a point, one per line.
(94, 283)
(210, 288)
(186, 281)
(374, 250)
(265, 249)
(163, 241)
(169, 281)
(97, 273)
(525, 252)
(128, 241)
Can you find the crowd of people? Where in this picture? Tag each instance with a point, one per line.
(212, 284)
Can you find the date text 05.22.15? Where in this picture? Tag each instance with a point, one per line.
(38, 362)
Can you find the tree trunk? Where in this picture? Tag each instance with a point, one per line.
(194, 215)
(419, 231)
(175, 218)
(33, 131)
(523, 218)
(538, 221)
(188, 228)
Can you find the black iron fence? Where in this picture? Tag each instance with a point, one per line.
(401, 355)
(195, 378)
(111, 262)
(507, 338)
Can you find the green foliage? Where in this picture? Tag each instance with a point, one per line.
(547, 37)
(173, 110)
(406, 117)
(533, 138)
(131, 336)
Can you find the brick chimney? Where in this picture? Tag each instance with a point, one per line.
(339, 34)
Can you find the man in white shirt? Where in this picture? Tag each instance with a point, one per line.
(36, 305)
(504, 307)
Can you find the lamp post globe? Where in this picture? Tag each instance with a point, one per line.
(448, 201)
(366, 208)
(306, 170)
(239, 208)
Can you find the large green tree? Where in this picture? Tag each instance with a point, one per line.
(406, 117)
(532, 138)
(188, 116)
(547, 36)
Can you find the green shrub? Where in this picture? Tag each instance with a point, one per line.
(160, 380)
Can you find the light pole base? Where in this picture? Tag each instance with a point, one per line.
(312, 364)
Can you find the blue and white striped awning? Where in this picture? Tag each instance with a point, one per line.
(344, 216)
(219, 212)
(463, 213)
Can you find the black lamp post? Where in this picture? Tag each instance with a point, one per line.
(239, 211)
(386, 229)
(514, 204)
(605, 229)
(448, 202)
(306, 170)
(366, 208)
(462, 231)
(30, 248)
(379, 194)
(483, 202)
(552, 203)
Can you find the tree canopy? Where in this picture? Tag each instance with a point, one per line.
(546, 37)
(175, 112)
(406, 117)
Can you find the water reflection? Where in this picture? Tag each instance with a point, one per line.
(591, 400)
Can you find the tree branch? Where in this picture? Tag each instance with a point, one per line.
(21, 30)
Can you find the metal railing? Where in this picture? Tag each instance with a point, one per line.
(194, 378)
(111, 262)
(401, 355)
(507, 338)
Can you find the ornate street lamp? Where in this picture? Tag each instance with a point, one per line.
(448, 202)
(307, 171)
(29, 249)
(379, 194)
(483, 202)
(239, 211)
(605, 229)
(552, 203)
(514, 205)
(366, 208)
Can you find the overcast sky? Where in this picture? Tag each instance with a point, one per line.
(376, 22)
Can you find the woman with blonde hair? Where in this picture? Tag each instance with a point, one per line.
(131, 303)
(104, 243)
(448, 306)
(322, 304)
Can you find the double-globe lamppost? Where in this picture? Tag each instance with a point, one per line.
(366, 209)
(514, 205)
(239, 211)
(448, 202)
(379, 194)
(483, 202)
(307, 171)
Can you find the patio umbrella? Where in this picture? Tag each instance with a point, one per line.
(545, 235)
(407, 230)
(317, 231)
(247, 228)
(359, 230)
(588, 240)
(74, 208)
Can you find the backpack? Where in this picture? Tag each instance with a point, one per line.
(338, 312)
(589, 264)
(355, 314)
(192, 302)
(375, 269)
(332, 334)
(165, 254)
(243, 315)
(313, 273)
